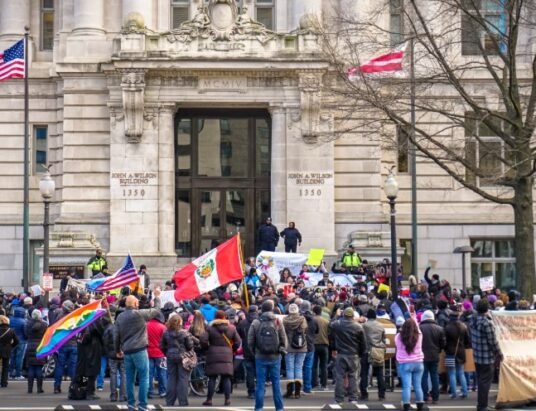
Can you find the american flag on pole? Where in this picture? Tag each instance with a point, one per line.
(386, 64)
(124, 276)
(12, 62)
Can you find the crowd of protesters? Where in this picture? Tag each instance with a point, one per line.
(305, 333)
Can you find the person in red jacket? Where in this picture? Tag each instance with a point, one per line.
(157, 367)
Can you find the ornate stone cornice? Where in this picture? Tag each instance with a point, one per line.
(133, 90)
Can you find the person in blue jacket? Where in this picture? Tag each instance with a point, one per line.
(208, 311)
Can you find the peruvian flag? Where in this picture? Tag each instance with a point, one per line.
(386, 63)
(219, 266)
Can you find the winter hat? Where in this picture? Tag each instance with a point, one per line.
(467, 306)
(476, 299)
(293, 309)
(349, 312)
(305, 306)
(231, 313)
(492, 298)
(55, 300)
(28, 301)
(427, 315)
(362, 298)
(253, 309)
(371, 314)
(68, 305)
(36, 315)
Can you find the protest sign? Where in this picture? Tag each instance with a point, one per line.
(48, 282)
(168, 297)
(315, 256)
(516, 333)
(271, 263)
(343, 280)
(36, 290)
(383, 287)
(486, 283)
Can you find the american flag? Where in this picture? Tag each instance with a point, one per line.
(12, 62)
(124, 276)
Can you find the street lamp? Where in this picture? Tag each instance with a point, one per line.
(464, 249)
(390, 186)
(46, 187)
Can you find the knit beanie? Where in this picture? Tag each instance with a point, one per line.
(293, 309)
(36, 315)
(467, 305)
(427, 315)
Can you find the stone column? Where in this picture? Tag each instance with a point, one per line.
(279, 167)
(88, 18)
(14, 16)
(144, 7)
(166, 178)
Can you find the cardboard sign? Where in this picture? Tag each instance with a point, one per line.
(316, 255)
(383, 287)
(486, 283)
(48, 281)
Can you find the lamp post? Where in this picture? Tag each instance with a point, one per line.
(390, 186)
(46, 187)
(464, 249)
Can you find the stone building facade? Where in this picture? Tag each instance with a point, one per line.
(137, 112)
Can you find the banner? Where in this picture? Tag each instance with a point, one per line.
(343, 280)
(271, 263)
(486, 283)
(516, 334)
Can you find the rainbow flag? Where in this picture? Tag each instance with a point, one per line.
(67, 327)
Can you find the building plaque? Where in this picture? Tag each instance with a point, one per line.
(59, 272)
(309, 185)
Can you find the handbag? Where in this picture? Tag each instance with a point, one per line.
(189, 360)
(450, 360)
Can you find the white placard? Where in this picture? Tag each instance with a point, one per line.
(168, 296)
(486, 283)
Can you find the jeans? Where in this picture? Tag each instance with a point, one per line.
(484, 377)
(117, 372)
(250, 376)
(457, 372)
(225, 383)
(364, 378)
(294, 365)
(430, 368)
(470, 378)
(102, 373)
(17, 358)
(308, 371)
(411, 373)
(346, 365)
(35, 371)
(156, 369)
(320, 365)
(67, 356)
(268, 370)
(137, 363)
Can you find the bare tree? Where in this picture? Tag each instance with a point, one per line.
(475, 73)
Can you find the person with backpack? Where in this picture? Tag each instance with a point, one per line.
(350, 344)
(174, 344)
(375, 334)
(249, 357)
(295, 327)
(267, 340)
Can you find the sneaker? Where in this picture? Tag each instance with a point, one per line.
(19, 378)
(163, 395)
(100, 389)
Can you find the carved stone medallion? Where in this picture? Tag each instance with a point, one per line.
(223, 16)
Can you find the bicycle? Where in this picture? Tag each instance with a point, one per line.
(199, 380)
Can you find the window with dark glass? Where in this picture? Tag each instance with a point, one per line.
(396, 21)
(494, 257)
(483, 27)
(47, 24)
(180, 12)
(40, 148)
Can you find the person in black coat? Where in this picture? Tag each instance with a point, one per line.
(90, 350)
(222, 340)
(433, 342)
(268, 236)
(292, 237)
(35, 329)
(249, 356)
(8, 340)
(458, 339)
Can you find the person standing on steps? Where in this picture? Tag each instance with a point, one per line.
(268, 236)
(292, 237)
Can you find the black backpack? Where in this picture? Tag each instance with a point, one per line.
(298, 339)
(78, 390)
(267, 337)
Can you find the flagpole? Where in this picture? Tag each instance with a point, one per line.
(26, 201)
(413, 153)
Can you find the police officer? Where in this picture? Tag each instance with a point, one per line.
(97, 264)
(350, 259)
